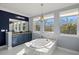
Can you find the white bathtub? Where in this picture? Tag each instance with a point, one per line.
(41, 44)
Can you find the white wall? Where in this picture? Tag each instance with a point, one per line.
(68, 42)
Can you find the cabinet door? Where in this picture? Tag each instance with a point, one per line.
(2, 39)
(14, 41)
(20, 39)
(30, 36)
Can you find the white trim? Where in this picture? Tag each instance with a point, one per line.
(1, 47)
(36, 32)
(9, 40)
(68, 35)
(72, 51)
(49, 31)
(48, 16)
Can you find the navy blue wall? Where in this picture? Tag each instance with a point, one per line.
(4, 23)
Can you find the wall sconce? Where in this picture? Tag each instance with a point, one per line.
(19, 17)
(4, 30)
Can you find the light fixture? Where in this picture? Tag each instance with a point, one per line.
(19, 17)
(42, 15)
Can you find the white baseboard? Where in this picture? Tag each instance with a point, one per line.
(72, 51)
(1, 47)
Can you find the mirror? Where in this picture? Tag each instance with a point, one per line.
(18, 25)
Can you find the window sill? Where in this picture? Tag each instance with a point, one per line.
(69, 35)
(43, 32)
(36, 31)
(48, 32)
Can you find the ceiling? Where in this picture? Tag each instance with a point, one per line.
(33, 9)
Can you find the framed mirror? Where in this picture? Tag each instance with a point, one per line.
(18, 25)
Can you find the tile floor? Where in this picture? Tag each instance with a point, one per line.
(28, 51)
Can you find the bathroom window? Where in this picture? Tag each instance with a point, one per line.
(49, 24)
(36, 24)
(69, 22)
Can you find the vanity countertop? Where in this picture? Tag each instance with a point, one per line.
(18, 33)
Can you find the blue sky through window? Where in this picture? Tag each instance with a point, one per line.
(68, 19)
(64, 20)
(49, 21)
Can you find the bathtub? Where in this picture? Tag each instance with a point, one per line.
(42, 45)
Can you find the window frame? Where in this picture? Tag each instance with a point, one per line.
(52, 28)
(65, 34)
(34, 29)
